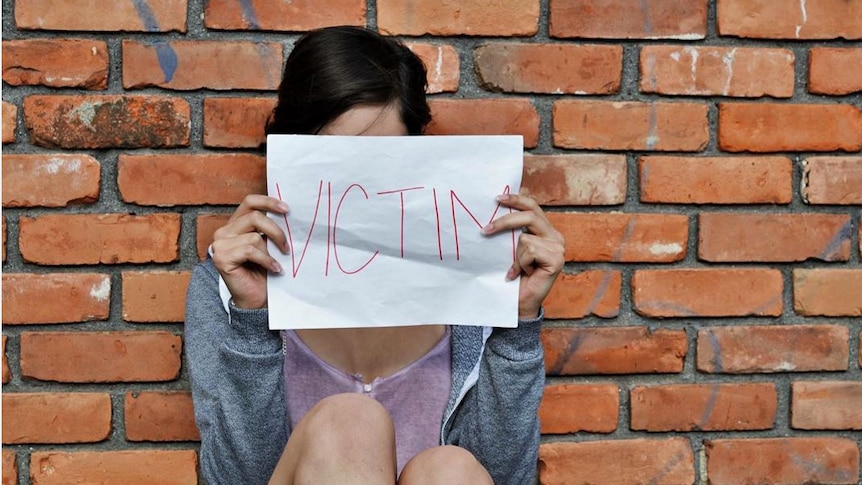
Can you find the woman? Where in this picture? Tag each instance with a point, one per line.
(425, 404)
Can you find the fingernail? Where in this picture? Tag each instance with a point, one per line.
(502, 198)
(276, 268)
(282, 207)
(488, 229)
(510, 275)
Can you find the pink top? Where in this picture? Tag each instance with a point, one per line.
(416, 396)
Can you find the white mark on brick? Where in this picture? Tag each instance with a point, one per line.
(677, 37)
(804, 17)
(94, 51)
(438, 66)
(786, 366)
(56, 165)
(659, 249)
(85, 112)
(728, 59)
(102, 291)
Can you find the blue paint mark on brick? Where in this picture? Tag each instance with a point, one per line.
(148, 18)
(167, 60)
(717, 365)
(833, 249)
(710, 406)
(647, 21)
(249, 14)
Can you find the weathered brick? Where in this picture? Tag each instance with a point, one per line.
(701, 292)
(790, 19)
(154, 296)
(758, 349)
(630, 125)
(770, 127)
(828, 292)
(100, 356)
(832, 180)
(442, 64)
(489, 116)
(589, 179)
(440, 17)
(296, 15)
(236, 122)
(763, 237)
(570, 408)
(617, 350)
(835, 71)
(50, 180)
(10, 468)
(7, 372)
(107, 121)
(716, 180)
(585, 293)
(206, 225)
(629, 19)
(549, 68)
(62, 297)
(717, 71)
(56, 63)
(826, 405)
(785, 461)
(160, 416)
(196, 179)
(669, 461)
(69, 417)
(157, 16)
(99, 238)
(141, 467)
(198, 64)
(622, 237)
(703, 407)
(10, 122)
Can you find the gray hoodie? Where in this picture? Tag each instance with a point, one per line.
(236, 366)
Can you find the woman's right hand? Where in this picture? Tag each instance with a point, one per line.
(239, 249)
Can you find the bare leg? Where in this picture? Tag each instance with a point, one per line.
(445, 465)
(346, 438)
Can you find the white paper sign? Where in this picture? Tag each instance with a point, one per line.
(386, 231)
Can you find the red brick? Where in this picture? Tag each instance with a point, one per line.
(705, 180)
(50, 180)
(835, 71)
(10, 468)
(763, 237)
(617, 350)
(141, 467)
(107, 121)
(198, 64)
(629, 19)
(100, 356)
(56, 63)
(549, 68)
(442, 63)
(160, 416)
(99, 238)
(700, 292)
(717, 71)
(832, 180)
(827, 292)
(69, 417)
(296, 15)
(589, 179)
(154, 296)
(10, 122)
(826, 405)
(236, 122)
(569, 408)
(489, 116)
(770, 127)
(7, 373)
(790, 19)
(630, 125)
(159, 16)
(206, 225)
(617, 462)
(441, 17)
(61, 297)
(585, 293)
(785, 461)
(760, 349)
(703, 407)
(622, 237)
(196, 179)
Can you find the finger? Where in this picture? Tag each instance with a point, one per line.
(526, 220)
(259, 202)
(256, 222)
(231, 253)
(537, 253)
(521, 203)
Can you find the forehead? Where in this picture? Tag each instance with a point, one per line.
(369, 120)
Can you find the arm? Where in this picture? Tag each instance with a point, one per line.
(235, 363)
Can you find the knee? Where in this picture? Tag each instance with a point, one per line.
(344, 415)
(445, 464)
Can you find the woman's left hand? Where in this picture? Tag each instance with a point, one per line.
(539, 258)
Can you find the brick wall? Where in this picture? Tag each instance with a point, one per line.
(704, 160)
